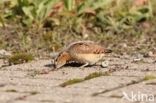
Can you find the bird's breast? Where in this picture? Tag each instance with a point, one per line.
(90, 58)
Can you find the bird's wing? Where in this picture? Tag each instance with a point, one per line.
(86, 47)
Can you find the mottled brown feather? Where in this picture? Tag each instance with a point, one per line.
(86, 47)
(82, 52)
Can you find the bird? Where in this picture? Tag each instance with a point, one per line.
(84, 52)
(62, 59)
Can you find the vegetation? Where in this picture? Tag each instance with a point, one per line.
(46, 25)
(70, 82)
(88, 77)
(19, 58)
(95, 75)
(11, 90)
(149, 77)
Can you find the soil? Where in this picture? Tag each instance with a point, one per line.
(26, 83)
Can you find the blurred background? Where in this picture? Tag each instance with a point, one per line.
(39, 27)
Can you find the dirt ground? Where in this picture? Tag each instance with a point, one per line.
(131, 77)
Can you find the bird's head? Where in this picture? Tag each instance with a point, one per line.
(61, 59)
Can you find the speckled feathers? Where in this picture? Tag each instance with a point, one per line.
(86, 52)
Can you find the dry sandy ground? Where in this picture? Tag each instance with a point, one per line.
(24, 83)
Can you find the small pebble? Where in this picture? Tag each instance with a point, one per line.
(137, 59)
(105, 64)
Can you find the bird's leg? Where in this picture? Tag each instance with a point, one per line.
(98, 63)
(84, 65)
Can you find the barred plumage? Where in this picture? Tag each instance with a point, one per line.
(86, 52)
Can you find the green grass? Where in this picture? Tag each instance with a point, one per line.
(19, 58)
(39, 26)
(34, 92)
(71, 81)
(11, 90)
(95, 75)
(79, 80)
(149, 77)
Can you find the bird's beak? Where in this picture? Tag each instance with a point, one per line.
(57, 66)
